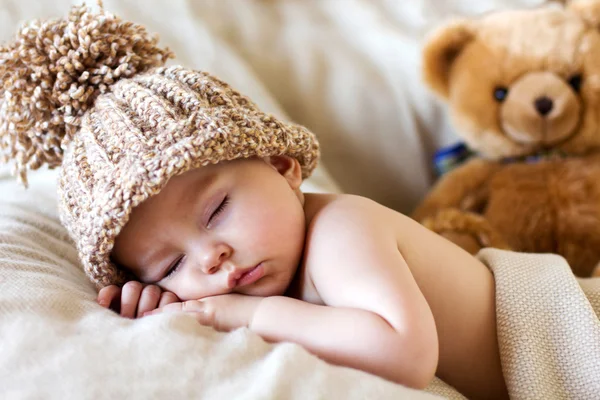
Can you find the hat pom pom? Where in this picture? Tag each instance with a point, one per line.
(53, 71)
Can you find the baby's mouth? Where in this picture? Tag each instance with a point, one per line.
(245, 277)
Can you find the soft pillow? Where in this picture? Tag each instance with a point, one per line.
(350, 71)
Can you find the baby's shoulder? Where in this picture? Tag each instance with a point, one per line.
(331, 216)
(321, 208)
(346, 233)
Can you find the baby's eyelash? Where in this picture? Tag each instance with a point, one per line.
(175, 266)
(219, 209)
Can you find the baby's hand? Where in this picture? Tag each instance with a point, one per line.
(224, 313)
(134, 298)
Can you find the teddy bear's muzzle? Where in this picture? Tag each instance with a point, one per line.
(541, 109)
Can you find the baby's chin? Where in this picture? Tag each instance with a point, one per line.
(266, 286)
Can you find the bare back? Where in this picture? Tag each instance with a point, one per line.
(458, 288)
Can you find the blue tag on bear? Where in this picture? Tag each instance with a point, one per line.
(450, 157)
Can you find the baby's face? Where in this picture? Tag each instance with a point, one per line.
(234, 227)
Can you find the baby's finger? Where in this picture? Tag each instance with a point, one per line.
(167, 298)
(194, 308)
(107, 296)
(148, 299)
(130, 296)
(186, 306)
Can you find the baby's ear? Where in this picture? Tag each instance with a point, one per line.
(288, 167)
(588, 10)
(440, 52)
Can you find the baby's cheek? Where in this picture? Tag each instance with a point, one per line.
(263, 230)
(276, 226)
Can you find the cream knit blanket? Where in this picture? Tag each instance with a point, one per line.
(548, 326)
(55, 342)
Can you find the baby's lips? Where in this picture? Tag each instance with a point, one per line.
(233, 278)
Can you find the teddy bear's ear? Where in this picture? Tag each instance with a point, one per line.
(588, 10)
(440, 51)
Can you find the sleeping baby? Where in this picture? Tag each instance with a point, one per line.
(182, 196)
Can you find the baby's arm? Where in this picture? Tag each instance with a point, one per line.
(376, 318)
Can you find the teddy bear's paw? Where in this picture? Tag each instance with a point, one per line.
(468, 230)
(596, 272)
(466, 241)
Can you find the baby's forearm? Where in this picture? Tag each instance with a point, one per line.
(345, 336)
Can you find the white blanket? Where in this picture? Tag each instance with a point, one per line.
(548, 326)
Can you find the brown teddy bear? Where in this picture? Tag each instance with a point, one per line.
(523, 89)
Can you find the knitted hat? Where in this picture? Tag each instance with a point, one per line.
(89, 92)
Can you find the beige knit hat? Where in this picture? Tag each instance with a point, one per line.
(88, 92)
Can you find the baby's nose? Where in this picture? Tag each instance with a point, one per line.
(210, 270)
(214, 258)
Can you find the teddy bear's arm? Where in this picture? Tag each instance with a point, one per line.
(464, 188)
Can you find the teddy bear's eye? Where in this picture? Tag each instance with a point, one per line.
(575, 82)
(500, 93)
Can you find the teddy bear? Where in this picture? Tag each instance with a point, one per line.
(523, 91)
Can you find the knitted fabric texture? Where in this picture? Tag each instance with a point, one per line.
(128, 131)
(52, 73)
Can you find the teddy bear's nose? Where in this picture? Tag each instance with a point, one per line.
(543, 105)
